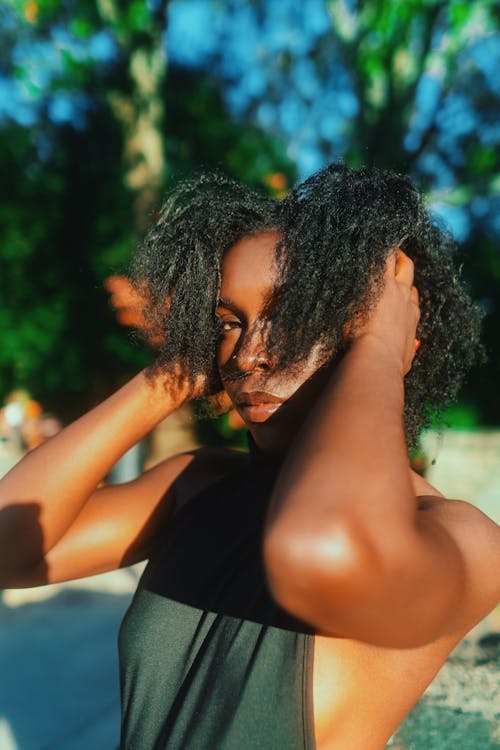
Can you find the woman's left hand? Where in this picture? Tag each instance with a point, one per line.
(395, 317)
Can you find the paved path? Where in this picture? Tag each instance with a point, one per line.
(59, 686)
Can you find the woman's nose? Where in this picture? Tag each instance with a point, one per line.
(251, 354)
(247, 361)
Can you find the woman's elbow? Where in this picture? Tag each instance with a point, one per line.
(314, 574)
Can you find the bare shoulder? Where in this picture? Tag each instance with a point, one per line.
(469, 526)
(195, 467)
(219, 458)
(473, 531)
(477, 537)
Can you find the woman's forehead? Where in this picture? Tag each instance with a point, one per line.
(249, 266)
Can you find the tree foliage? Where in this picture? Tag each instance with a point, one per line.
(89, 151)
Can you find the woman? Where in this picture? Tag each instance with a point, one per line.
(302, 596)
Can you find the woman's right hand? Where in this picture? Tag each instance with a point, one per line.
(129, 304)
(177, 385)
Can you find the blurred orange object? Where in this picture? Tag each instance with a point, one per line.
(276, 181)
(32, 409)
(31, 10)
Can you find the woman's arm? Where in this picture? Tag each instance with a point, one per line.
(347, 548)
(43, 495)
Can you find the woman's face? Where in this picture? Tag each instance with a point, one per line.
(273, 403)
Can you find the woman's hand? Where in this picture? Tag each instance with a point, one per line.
(129, 304)
(178, 385)
(395, 317)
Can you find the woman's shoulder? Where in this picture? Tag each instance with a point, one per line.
(477, 538)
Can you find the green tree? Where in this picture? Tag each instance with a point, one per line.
(394, 51)
(89, 152)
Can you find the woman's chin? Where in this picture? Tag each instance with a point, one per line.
(272, 436)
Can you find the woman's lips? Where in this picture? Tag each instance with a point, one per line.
(257, 406)
(258, 412)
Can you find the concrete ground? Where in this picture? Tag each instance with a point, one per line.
(59, 686)
(461, 708)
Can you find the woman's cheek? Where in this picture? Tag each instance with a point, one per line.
(225, 350)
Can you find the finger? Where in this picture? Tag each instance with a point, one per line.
(126, 299)
(122, 292)
(131, 317)
(404, 268)
(112, 283)
(390, 263)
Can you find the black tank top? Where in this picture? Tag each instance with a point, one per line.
(208, 661)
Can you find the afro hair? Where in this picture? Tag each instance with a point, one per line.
(337, 229)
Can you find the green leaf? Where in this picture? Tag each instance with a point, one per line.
(460, 13)
(81, 28)
(138, 17)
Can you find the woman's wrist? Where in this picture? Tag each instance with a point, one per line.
(163, 393)
(374, 347)
(169, 389)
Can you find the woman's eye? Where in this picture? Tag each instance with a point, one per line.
(228, 325)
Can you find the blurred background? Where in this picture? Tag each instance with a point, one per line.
(104, 104)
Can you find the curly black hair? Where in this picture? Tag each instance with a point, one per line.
(337, 228)
(180, 260)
